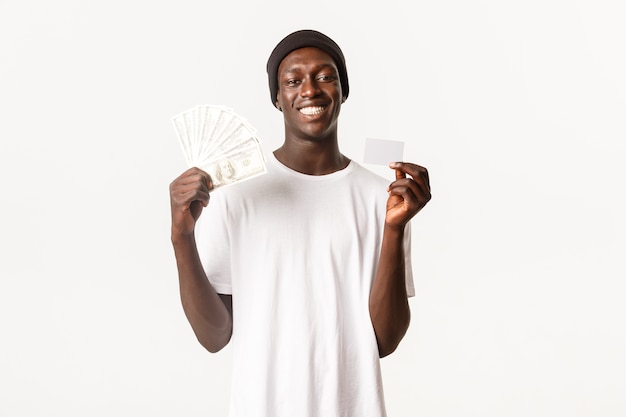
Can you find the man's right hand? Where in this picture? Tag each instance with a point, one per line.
(209, 313)
(189, 194)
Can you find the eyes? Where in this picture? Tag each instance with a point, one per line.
(293, 81)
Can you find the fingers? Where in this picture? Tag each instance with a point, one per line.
(192, 185)
(417, 172)
(416, 187)
(414, 170)
(193, 175)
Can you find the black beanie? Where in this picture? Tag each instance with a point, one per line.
(301, 39)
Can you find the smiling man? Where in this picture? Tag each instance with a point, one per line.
(306, 268)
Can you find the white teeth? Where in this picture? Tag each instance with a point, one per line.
(312, 110)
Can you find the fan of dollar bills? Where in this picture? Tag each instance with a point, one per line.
(219, 141)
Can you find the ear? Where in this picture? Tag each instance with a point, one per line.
(277, 106)
(343, 99)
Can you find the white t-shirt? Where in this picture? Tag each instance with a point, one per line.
(299, 254)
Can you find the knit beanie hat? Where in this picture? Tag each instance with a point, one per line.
(302, 39)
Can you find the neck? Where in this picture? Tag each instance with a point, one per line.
(312, 158)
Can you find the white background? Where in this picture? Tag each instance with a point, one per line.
(517, 109)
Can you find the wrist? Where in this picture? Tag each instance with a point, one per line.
(394, 230)
(180, 238)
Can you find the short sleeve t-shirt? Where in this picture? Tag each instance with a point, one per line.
(299, 254)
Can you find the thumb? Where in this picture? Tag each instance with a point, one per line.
(399, 173)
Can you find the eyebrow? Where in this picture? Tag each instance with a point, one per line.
(296, 68)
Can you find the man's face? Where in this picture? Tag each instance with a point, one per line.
(309, 93)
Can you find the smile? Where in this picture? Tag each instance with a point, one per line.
(310, 111)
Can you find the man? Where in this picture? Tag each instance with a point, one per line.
(307, 267)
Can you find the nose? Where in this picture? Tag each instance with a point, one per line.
(309, 88)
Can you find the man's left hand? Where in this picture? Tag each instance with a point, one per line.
(408, 194)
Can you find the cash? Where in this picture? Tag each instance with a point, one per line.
(221, 142)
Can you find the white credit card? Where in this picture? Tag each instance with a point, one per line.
(383, 151)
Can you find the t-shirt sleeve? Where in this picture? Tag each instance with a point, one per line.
(213, 243)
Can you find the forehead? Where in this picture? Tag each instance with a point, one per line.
(306, 57)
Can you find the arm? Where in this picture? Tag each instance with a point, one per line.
(388, 302)
(209, 313)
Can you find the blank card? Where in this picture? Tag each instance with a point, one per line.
(383, 151)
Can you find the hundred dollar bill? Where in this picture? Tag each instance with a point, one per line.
(242, 162)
